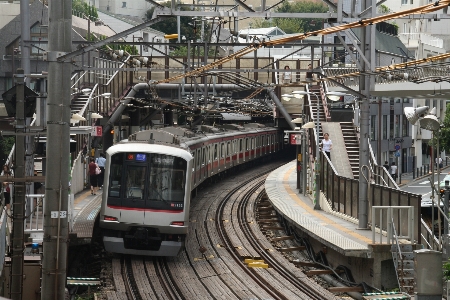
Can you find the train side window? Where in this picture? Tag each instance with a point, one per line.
(240, 145)
(199, 157)
(203, 156)
(215, 152)
(228, 148)
(246, 144)
(222, 150)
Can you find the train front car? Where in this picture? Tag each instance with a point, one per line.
(145, 207)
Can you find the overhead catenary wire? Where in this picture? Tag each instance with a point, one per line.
(431, 7)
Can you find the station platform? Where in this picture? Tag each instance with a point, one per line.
(86, 209)
(333, 233)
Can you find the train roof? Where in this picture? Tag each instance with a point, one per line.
(150, 148)
(184, 137)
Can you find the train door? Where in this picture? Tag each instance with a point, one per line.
(222, 157)
(209, 160)
(198, 164)
(216, 159)
(258, 146)
(252, 148)
(228, 155)
(234, 155)
(204, 169)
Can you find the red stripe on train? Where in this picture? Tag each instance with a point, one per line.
(146, 209)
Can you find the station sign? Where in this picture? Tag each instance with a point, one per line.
(295, 139)
(97, 131)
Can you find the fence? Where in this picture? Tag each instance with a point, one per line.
(343, 195)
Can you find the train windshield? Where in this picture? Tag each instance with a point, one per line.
(147, 180)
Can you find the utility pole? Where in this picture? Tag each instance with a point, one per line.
(19, 192)
(25, 35)
(365, 84)
(58, 134)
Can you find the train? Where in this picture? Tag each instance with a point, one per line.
(151, 177)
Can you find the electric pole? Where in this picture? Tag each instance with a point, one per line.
(57, 165)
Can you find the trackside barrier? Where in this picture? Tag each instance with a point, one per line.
(343, 194)
(393, 214)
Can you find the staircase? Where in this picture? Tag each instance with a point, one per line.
(313, 103)
(352, 145)
(403, 257)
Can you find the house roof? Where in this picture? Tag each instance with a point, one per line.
(385, 42)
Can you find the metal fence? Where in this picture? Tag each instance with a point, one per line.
(343, 195)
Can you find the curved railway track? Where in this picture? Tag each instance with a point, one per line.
(223, 232)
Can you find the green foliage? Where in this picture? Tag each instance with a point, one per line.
(131, 49)
(6, 144)
(295, 25)
(169, 25)
(182, 51)
(444, 134)
(446, 270)
(81, 7)
(383, 9)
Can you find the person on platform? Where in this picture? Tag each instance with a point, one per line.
(386, 166)
(394, 171)
(309, 73)
(327, 145)
(101, 161)
(7, 187)
(286, 77)
(93, 176)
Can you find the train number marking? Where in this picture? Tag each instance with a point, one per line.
(62, 214)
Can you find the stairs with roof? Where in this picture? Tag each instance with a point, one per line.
(313, 102)
(352, 145)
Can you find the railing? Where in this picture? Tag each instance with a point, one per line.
(428, 238)
(343, 195)
(3, 225)
(379, 174)
(422, 37)
(387, 221)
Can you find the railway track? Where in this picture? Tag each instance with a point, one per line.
(223, 232)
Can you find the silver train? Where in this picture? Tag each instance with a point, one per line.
(149, 180)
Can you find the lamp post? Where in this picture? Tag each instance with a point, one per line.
(301, 94)
(429, 122)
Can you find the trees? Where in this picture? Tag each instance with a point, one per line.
(81, 7)
(296, 25)
(444, 135)
(188, 27)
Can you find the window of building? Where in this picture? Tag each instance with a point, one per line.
(124, 4)
(405, 126)
(397, 125)
(385, 127)
(404, 2)
(373, 123)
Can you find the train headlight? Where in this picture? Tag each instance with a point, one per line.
(108, 218)
(177, 223)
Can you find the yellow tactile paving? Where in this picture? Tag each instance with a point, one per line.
(316, 213)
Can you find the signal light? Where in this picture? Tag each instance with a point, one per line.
(112, 131)
(177, 223)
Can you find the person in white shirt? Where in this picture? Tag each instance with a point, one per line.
(101, 161)
(287, 75)
(327, 145)
(439, 162)
(394, 171)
